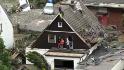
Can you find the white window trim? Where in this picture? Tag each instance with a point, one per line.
(59, 24)
(49, 39)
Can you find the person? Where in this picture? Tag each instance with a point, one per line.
(59, 43)
(67, 43)
(60, 11)
(70, 42)
(62, 43)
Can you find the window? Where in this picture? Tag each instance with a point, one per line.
(59, 24)
(51, 38)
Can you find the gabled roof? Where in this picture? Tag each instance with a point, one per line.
(83, 22)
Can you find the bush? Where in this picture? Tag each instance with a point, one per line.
(5, 59)
(38, 60)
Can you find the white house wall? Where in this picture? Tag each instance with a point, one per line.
(7, 29)
(50, 59)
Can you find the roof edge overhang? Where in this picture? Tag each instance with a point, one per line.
(60, 54)
(106, 5)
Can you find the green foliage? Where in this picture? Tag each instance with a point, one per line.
(1, 44)
(38, 60)
(5, 63)
(3, 67)
(5, 58)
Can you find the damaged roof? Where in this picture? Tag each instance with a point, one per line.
(83, 21)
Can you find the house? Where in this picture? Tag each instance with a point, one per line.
(6, 29)
(109, 12)
(69, 39)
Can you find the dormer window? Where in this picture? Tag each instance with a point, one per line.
(59, 24)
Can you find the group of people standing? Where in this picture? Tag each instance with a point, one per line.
(65, 43)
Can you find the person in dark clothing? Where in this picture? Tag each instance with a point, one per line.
(60, 11)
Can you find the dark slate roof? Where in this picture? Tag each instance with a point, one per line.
(103, 1)
(83, 23)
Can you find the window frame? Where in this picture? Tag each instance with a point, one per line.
(60, 24)
(50, 40)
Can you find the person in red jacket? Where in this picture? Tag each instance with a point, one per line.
(61, 43)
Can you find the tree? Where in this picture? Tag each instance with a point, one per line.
(38, 60)
(2, 46)
(3, 67)
(5, 62)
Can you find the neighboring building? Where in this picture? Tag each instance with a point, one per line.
(6, 29)
(24, 4)
(69, 39)
(109, 12)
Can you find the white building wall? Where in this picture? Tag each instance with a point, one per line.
(7, 29)
(50, 59)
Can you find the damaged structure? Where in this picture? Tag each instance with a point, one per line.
(70, 38)
(107, 11)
